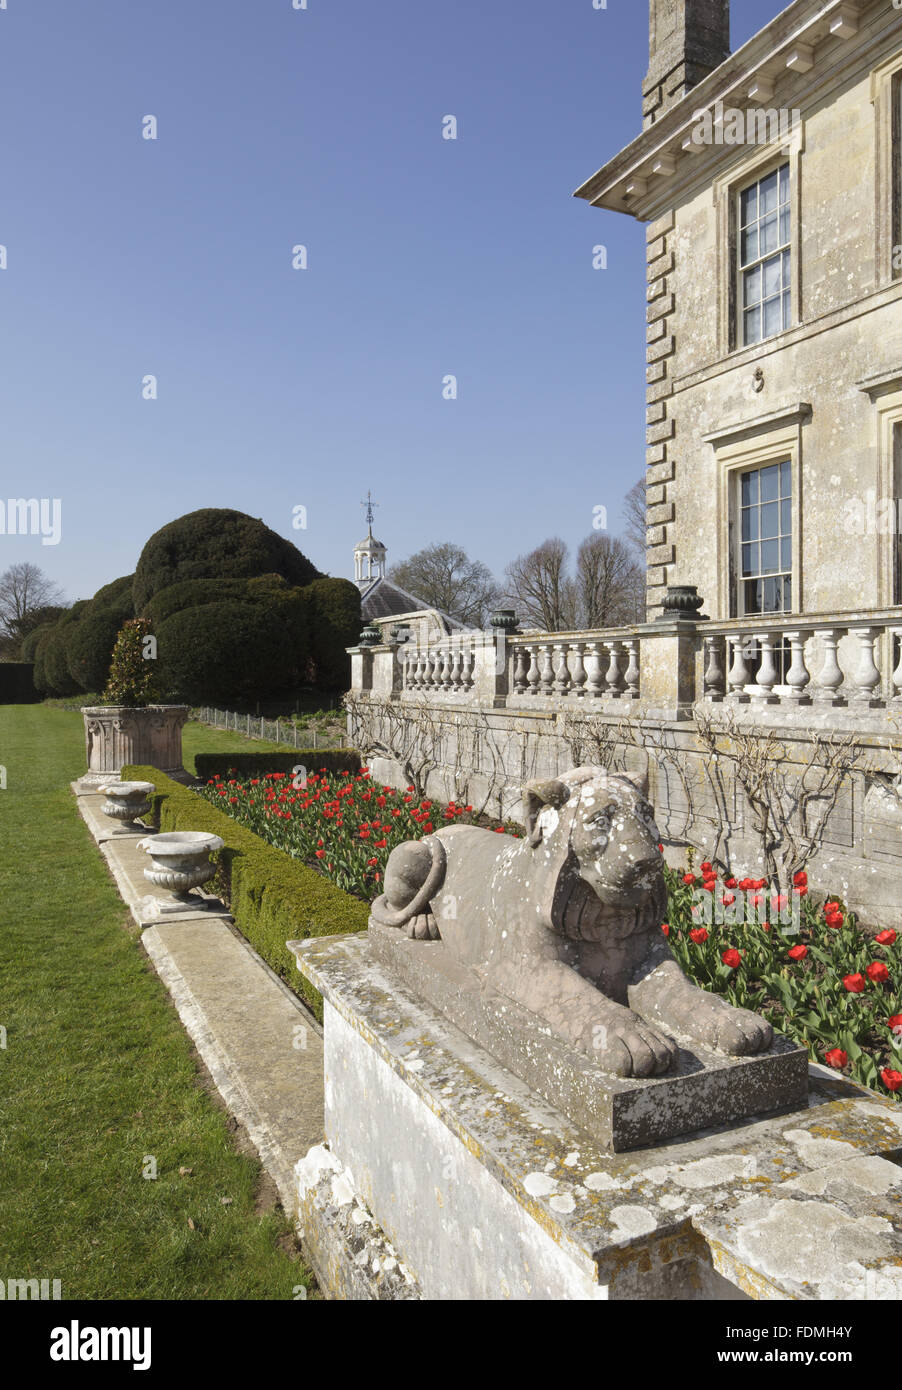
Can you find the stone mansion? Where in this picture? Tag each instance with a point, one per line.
(774, 359)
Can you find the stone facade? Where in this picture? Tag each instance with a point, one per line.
(825, 391)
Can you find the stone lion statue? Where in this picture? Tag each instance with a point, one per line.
(567, 922)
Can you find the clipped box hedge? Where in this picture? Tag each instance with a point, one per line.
(272, 897)
(251, 764)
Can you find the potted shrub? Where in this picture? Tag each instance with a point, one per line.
(129, 726)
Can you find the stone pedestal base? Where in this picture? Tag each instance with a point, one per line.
(445, 1177)
(703, 1088)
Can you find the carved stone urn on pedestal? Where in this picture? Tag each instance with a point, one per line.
(180, 862)
(148, 735)
(125, 801)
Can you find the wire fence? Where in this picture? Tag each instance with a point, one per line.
(284, 731)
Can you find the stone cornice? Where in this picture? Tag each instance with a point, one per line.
(796, 414)
(635, 179)
(880, 384)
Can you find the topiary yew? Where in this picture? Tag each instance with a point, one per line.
(134, 678)
(216, 543)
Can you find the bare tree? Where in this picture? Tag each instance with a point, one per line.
(540, 586)
(607, 580)
(23, 588)
(634, 507)
(790, 798)
(445, 577)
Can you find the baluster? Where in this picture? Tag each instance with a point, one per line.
(896, 634)
(767, 671)
(561, 674)
(520, 667)
(631, 674)
(455, 667)
(447, 682)
(830, 676)
(428, 670)
(613, 679)
(798, 675)
(867, 677)
(546, 668)
(468, 667)
(715, 680)
(533, 674)
(739, 673)
(578, 673)
(594, 681)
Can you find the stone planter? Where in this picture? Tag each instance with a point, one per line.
(116, 735)
(180, 861)
(125, 801)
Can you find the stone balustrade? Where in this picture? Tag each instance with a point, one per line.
(448, 666)
(796, 662)
(575, 666)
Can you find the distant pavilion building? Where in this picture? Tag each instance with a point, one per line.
(383, 601)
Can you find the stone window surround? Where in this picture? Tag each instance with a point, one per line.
(758, 162)
(774, 438)
(886, 97)
(886, 394)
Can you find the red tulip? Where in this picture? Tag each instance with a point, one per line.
(891, 1079)
(732, 958)
(698, 935)
(885, 938)
(877, 972)
(854, 983)
(836, 1058)
(798, 952)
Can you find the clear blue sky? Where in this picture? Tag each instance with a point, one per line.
(281, 388)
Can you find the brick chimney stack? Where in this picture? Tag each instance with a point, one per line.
(687, 40)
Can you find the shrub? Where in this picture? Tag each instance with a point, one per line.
(335, 624)
(195, 593)
(51, 673)
(89, 648)
(31, 642)
(273, 898)
(215, 543)
(251, 764)
(226, 653)
(134, 679)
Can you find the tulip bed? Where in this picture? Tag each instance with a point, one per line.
(809, 969)
(341, 823)
(822, 981)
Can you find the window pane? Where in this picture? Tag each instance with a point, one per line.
(749, 488)
(750, 559)
(784, 184)
(787, 594)
(768, 188)
(787, 310)
(770, 557)
(752, 325)
(786, 553)
(785, 517)
(750, 523)
(785, 479)
(751, 287)
(773, 316)
(753, 596)
(748, 205)
(784, 226)
(769, 235)
(773, 276)
(749, 248)
(770, 483)
(769, 520)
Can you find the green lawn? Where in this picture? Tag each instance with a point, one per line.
(201, 738)
(97, 1073)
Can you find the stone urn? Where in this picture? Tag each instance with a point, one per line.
(125, 801)
(180, 862)
(505, 620)
(371, 636)
(682, 601)
(150, 735)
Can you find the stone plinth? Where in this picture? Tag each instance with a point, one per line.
(445, 1177)
(118, 735)
(704, 1087)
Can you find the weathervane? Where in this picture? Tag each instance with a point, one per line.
(369, 504)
